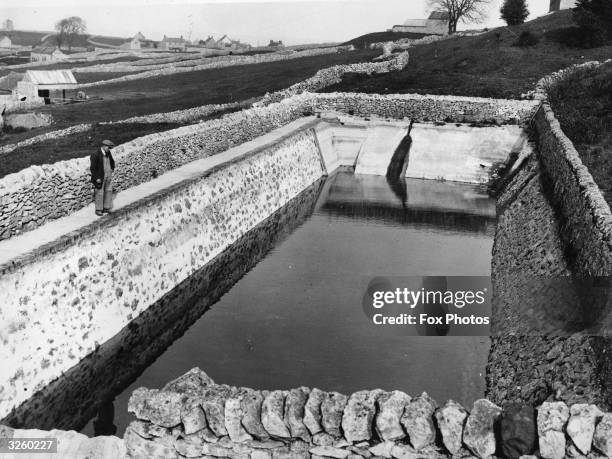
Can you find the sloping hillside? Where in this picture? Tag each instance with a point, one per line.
(25, 38)
(486, 65)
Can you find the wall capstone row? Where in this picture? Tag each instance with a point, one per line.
(193, 416)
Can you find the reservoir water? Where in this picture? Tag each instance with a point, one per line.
(295, 318)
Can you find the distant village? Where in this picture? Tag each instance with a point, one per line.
(43, 47)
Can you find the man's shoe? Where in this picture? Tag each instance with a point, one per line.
(106, 211)
(99, 213)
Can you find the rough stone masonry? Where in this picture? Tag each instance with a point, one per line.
(193, 416)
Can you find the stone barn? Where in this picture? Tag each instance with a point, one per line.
(435, 24)
(52, 85)
(556, 5)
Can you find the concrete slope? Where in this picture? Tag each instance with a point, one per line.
(460, 153)
(377, 150)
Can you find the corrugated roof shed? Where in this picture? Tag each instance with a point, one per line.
(49, 77)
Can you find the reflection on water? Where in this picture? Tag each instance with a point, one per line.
(447, 206)
(296, 318)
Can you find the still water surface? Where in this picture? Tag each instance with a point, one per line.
(296, 318)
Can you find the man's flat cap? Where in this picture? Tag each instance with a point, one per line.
(108, 143)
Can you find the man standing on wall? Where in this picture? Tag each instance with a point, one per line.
(102, 166)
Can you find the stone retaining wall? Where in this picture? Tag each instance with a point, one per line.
(194, 417)
(39, 193)
(57, 306)
(74, 398)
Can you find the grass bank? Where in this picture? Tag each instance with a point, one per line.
(487, 65)
(583, 104)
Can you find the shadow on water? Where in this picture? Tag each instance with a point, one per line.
(87, 390)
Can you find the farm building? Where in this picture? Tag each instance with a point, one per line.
(227, 43)
(5, 42)
(276, 44)
(435, 24)
(173, 44)
(556, 5)
(210, 43)
(133, 43)
(48, 84)
(46, 54)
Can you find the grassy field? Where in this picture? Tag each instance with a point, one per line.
(583, 105)
(192, 89)
(486, 65)
(162, 94)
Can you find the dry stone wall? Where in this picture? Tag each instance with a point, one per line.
(56, 307)
(193, 416)
(221, 62)
(332, 75)
(586, 217)
(39, 193)
(454, 109)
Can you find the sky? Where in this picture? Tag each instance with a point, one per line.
(254, 22)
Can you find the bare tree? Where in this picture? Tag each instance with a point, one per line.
(461, 10)
(67, 30)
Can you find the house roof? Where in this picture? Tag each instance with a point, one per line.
(49, 77)
(4, 36)
(440, 15)
(46, 50)
(416, 22)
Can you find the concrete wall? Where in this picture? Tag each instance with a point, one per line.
(452, 152)
(461, 153)
(63, 301)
